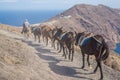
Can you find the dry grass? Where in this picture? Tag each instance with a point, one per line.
(16, 30)
(113, 61)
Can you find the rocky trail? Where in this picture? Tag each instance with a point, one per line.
(47, 64)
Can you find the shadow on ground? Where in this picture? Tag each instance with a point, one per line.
(52, 61)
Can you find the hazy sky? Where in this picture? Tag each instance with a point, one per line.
(51, 4)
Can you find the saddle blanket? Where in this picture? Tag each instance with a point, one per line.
(63, 36)
(84, 42)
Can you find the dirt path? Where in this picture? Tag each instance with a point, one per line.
(63, 69)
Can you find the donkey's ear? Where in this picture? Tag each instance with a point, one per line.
(75, 32)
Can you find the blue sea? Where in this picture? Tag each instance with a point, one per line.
(16, 18)
(118, 48)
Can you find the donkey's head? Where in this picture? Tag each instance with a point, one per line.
(58, 31)
(77, 37)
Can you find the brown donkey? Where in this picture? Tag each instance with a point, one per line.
(56, 36)
(36, 32)
(46, 33)
(67, 43)
(93, 45)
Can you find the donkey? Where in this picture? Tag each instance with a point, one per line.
(67, 42)
(46, 33)
(56, 37)
(26, 28)
(93, 45)
(37, 32)
(26, 31)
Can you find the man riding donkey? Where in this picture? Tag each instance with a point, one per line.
(26, 28)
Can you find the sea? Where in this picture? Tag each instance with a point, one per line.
(117, 48)
(16, 17)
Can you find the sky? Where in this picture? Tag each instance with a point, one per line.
(52, 4)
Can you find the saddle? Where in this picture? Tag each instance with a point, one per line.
(84, 42)
(97, 40)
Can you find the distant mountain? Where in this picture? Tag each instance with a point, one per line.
(97, 19)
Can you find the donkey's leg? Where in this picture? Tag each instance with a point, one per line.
(43, 37)
(99, 65)
(51, 42)
(60, 47)
(69, 54)
(83, 59)
(95, 68)
(88, 60)
(39, 38)
(27, 34)
(97, 60)
(46, 41)
(72, 54)
(22, 31)
(35, 37)
(64, 52)
(54, 43)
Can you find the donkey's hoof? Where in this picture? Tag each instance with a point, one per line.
(94, 71)
(82, 67)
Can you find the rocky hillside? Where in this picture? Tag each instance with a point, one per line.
(97, 19)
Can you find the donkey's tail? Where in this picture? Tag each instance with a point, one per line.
(106, 49)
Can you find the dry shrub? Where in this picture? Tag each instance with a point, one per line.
(113, 61)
